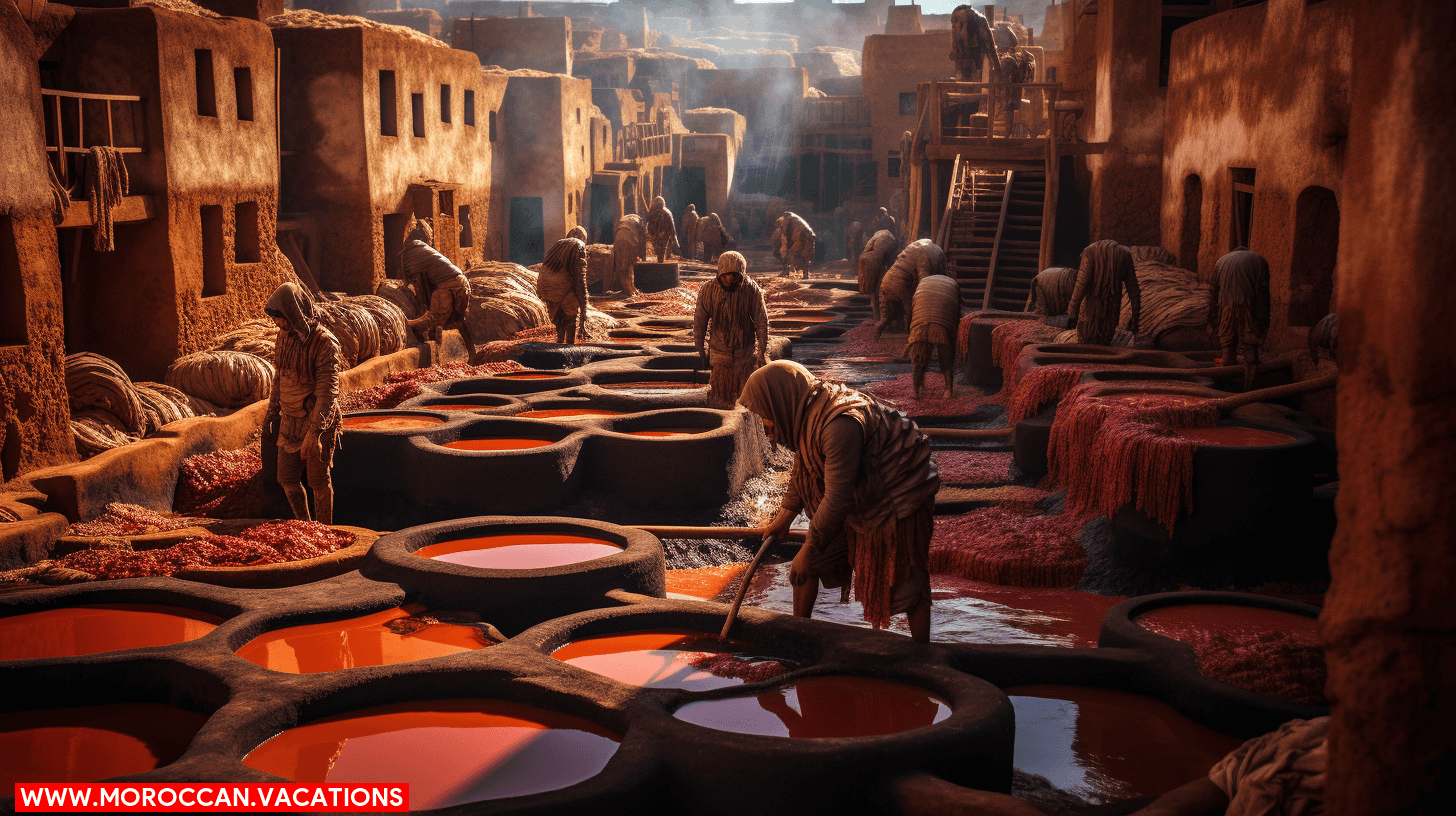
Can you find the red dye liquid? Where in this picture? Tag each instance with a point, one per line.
(655, 659)
(497, 444)
(391, 422)
(535, 551)
(820, 707)
(92, 743)
(1184, 619)
(567, 413)
(460, 407)
(366, 641)
(450, 752)
(669, 432)
(1109, 745)
(703, 582)
(1265, 651)
(83, 630)
(1230, 436)
(531, 375)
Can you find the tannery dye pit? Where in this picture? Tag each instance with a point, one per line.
(519, 552)
(391, 422)
(382, 639)
(830, 707)
(681, 660)
(497, 444)
(91, 743)
(84, 630)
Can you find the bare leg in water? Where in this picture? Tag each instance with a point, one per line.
(807, 593)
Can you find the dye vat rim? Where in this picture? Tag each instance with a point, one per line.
(671, 419)
(401, 546)
(621, 547)
(444, 417)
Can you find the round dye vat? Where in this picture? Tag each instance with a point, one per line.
(651, 388)
(531, 375)
(450, 752)
(567, 413)
(1235, 437)
(497, 444)
(818, 707)
(1109, 745)
(1181, 620)
(1266, 651)
(91, 743)
(83, 630)
(391, 422)
(668, 432)
(677, 659)
(520, 552)
(460, 407)
(366, 641)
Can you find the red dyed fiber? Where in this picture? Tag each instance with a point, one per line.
(407, 384)
(222, 484)
(963, 335)
(900, 392)
(1010, 337)
(130, 519)
(973, 467)
(1276, 664)
(273, 543)
(734, 667)
(860, 341)
(1009, 547)
(1040, 386)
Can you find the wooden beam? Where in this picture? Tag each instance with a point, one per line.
(996, 247)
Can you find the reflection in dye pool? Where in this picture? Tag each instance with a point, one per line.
(450, 752)
(90, 743)
(832, 706)
(1235, 437)
(497, 444)
(83, 630)
(567, 413)
(669, 432)
(533, 551)
(670, 659)
(391, 422)
(1107, 745)
(366, 641)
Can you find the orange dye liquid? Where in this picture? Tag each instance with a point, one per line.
(348, 644)
(450, 752)
(818, 707)
(497, 444)
(650, 659)
(567, 413)
(662, 386)
(1228, 436)
(703, 582)
(460, 407)
(391, 422)
(90, 743)
(1183, 620)
(531, 375)
(83, 630)
(1105, 745)
(669, 432)
(519, 552)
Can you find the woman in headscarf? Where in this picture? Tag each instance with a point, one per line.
(303, 408)
(862, 472)
(561, 285)
(1096, 305)
(731, 313)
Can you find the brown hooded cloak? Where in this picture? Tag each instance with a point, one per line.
(1097, 296)
(736, 326)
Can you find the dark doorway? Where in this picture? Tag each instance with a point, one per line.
(830, 195)
(1073, 230)
(603, 212)
(528, 236)
(692, 186)
(810, 182)
(1243, 207)
(1191, 237)
(1316, 246)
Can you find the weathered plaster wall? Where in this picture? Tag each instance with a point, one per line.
(538, 43)
(546, 125)
(715, 154)
(893, 65)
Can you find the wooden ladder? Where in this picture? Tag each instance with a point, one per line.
(1016, 258)
(975, 224)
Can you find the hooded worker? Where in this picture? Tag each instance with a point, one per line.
(1096, 305)
(303, 408)
(731, 313)
(1238, 304)
(971, 41)
(1051, 290)
(863, 474)
(879, 253)
(629, 245)
(661, 230)
(854, 241)
(933, 326)
(688, 234)
(796, 248)
(882, 221)
(561, 285)
(578, 232)
(713, 237)
(915, 263)
(441, 286)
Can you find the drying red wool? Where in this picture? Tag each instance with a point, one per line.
(860, 341)
(274, 543)
(1277, 664)
(1111, 451)
(963, 334)
(222, 484)
(703, 582)
(406, 385)
(900, 392)
(973, 467)
(130, 519)
(1040, 386)
(1009, 547)
(1009, 338)
(734, 667)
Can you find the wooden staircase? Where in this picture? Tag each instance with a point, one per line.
(993, 240)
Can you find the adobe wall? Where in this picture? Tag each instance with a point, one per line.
(896, 64)
(1266, 88)
(768, 98)
(35, 426)
(538, 43)
(546, 125)
(715, 154)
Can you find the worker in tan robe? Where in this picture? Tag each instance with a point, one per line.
(863, 474)
(303, 407)
(914, 264)
(561, 286)
(731, 314)
(629, 245)
(878, 255)
(714, 238)
(854, 241)
(936, 316)
(882, 221)
(687, 234)
(1106, 270)
(440, 285)
(1238, 307)
(796, 247)
(661, 231)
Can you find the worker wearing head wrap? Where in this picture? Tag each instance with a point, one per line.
(688, 233)
(441, 287)
(578, 232)
(1051, 290)
(879, 253)
(661, 230)
(854, 241)
(1238, 304)
(303, 407)
(797, 244)
(629, 245)
(862, 472)
(1106, 270)
(731, 313)
(915, 263)
(882, 221)
(561, 285)
(933, 326)
(713, 237)
(971, 41)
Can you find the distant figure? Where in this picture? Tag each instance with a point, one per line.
(688, 234)
(442, 288)
(731, 313)
(661, 230)
(1097, 296)
(971, 41)
(916, 262)
(713, 237)
(882, 221)
(578, 232)
(1051, 290)
(796, 244)
(854, 241)
(735, 227)
(1325, 335)
(933, 325)
(561, 285)
(629, 245)
(303, 408)
(1239, 303)
(879, 253)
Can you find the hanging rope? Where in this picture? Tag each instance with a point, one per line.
(60, 196)
(107, 184)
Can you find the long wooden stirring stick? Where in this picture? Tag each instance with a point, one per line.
(743, 587)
